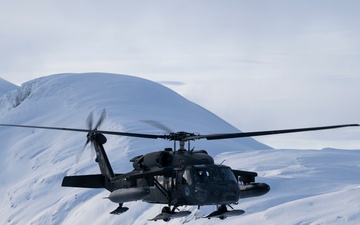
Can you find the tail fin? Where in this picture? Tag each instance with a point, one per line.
(101, 158)
(102, 180)
(98, 140)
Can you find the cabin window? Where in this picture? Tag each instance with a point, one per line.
(187, 177)
(164, 181)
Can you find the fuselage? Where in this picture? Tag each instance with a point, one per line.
(181, 178)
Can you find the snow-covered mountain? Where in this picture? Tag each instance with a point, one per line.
(6, 86)
(308, 186)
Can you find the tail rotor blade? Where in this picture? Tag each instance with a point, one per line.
(81, 151)
(89, 121)
(101, 119)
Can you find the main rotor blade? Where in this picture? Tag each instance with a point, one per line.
(158, 125)
(150, 136)
(263, 133)
(194, 137)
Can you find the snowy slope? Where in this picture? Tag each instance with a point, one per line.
(6, 86)
(308, 186)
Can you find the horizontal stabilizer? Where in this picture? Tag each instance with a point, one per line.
(84, 181)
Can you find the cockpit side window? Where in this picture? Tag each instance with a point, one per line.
(212, 173)
(207, 174)
(201, 175)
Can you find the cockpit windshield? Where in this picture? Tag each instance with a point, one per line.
(213, 173)
(227, 174)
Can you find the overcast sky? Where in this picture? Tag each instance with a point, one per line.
(257, 64)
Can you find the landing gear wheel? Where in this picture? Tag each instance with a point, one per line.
(222, 208)
(167, 214)
(222, 213)
(167, 210)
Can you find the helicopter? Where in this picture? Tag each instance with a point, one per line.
(174, 177)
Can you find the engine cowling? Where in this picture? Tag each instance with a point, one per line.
(154, 159)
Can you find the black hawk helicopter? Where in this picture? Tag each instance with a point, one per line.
(174, 177)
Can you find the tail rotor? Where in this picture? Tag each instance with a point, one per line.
(90, 122)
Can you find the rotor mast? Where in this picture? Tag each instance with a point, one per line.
(182, 137)
(181, 145)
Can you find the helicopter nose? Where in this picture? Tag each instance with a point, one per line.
(229, 193)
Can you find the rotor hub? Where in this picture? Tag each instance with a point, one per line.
(179, 136)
